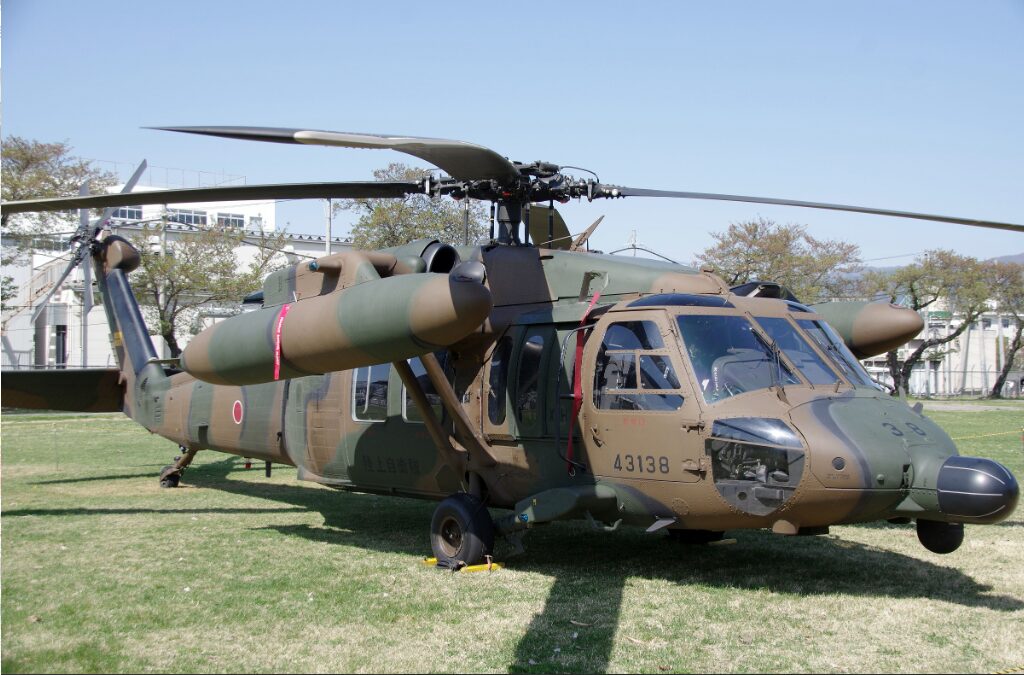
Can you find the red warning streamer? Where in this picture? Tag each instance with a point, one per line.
(277, 341)
(577, 380)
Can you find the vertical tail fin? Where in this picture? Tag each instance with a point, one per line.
(143, 377)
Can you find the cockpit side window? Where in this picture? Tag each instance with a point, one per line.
(633, 335)
(630, 374)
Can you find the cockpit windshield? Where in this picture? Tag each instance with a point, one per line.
(729, 357)
(797, 350)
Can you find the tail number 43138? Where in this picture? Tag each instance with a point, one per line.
(641, 464)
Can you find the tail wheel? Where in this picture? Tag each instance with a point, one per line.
(939, 537)
(461, 531)
(169, 478)
(695, 537)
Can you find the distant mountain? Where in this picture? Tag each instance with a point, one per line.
(1014, 258)
(1018, 258)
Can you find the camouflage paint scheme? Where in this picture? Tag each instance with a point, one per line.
(854, 453)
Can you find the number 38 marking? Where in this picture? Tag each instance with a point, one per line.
(896, 431)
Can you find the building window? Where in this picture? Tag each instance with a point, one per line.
(187, 216)
(236, 220)
(127, 213)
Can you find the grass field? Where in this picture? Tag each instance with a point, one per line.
(104, 571)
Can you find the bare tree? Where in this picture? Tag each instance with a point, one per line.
(960, 282)
(1007, 283)
(393, 222)
(762, 250)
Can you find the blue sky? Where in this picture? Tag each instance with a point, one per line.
(915, 106)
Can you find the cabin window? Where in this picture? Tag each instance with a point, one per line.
(528, 381)
(410, 411)
(370, 393)
(498, 381)
(628, 377)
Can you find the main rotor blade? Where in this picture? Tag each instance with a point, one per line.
(352, 190)
(465, 161)
(609, 191)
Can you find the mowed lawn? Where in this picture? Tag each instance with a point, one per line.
(104, 571)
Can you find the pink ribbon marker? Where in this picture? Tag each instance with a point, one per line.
(277, 341)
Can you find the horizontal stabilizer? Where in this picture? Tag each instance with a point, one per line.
(81, 390)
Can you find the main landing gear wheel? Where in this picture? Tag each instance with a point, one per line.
(695, 537)
(939, 537)
(461, 531)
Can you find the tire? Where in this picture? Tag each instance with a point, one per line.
(939, 537)
(695, 537)
(169, 480)
(461, 531)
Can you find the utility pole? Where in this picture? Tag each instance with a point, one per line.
(159, 285)
(85, 221)
(330, 222)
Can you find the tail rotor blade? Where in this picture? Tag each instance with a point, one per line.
(84, 236)
(49, 294)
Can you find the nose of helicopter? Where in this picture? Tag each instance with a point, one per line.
(975, 489)
(903, 464)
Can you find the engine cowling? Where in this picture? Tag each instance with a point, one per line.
(871, 328)
(377, 321)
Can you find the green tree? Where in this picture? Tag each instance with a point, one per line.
(201, 269)
(1007, 283)
(961, 283)
(34, 170)
(392, 222)
(762, 250)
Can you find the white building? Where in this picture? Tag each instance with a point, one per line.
(966, 366)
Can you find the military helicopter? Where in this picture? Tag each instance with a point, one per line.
(534, 378)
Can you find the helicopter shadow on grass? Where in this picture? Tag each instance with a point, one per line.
(92, 479)
(591, 570)
(20, 513)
